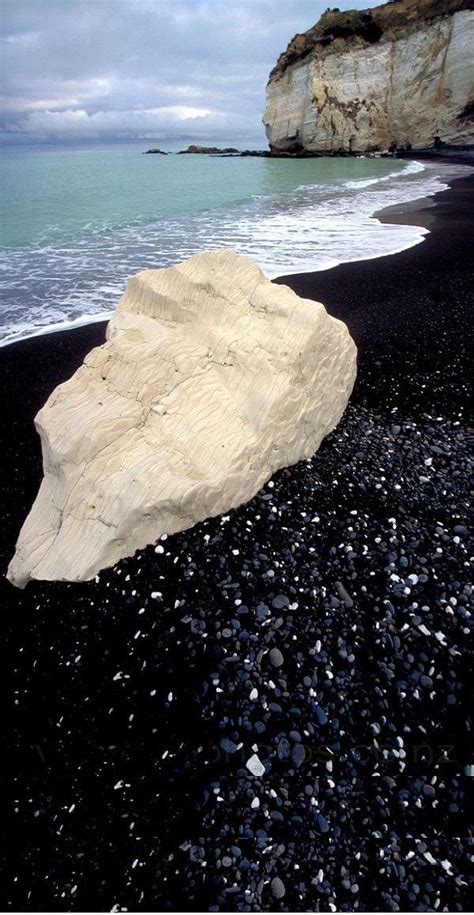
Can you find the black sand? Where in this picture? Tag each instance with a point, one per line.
(128, 717)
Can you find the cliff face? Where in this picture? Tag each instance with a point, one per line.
(399, 74)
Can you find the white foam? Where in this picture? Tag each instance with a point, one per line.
(314, 227)
(412, 168)
(25, 331)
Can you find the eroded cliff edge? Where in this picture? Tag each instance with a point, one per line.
(398, 75)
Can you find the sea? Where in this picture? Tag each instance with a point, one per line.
(77, 222)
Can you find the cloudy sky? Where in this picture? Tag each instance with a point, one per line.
(120, 69)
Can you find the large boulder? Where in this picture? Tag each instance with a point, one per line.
(211, 379)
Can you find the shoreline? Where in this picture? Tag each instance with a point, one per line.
(380, 215)
(396, 306)
(391, 215)
(131, 709)
(420, 211)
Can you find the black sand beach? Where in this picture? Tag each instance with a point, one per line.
(323, 626)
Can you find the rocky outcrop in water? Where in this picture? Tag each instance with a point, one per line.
(398, 75)
(208, 151)
(211, 379)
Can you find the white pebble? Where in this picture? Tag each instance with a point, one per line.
(255, 766)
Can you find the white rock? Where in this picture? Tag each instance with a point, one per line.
(211, 379)
(255, 766)
(414, 83)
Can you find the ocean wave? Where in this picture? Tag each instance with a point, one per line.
(411, 168)
(311, 228)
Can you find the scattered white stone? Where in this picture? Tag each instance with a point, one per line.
(255, 766)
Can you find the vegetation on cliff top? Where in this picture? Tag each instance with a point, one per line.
(368, 25)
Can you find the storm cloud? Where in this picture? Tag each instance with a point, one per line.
(116, 69)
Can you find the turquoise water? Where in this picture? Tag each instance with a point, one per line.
(78, 222)
(63, 195)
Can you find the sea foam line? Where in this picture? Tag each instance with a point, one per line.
(275, 239)
(55, 328)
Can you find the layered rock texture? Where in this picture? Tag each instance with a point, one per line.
(211, 379)
(396, 75)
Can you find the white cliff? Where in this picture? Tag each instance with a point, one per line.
(396, 75)
(211, 379)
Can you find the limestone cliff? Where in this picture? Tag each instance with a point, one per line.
(396, 75)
